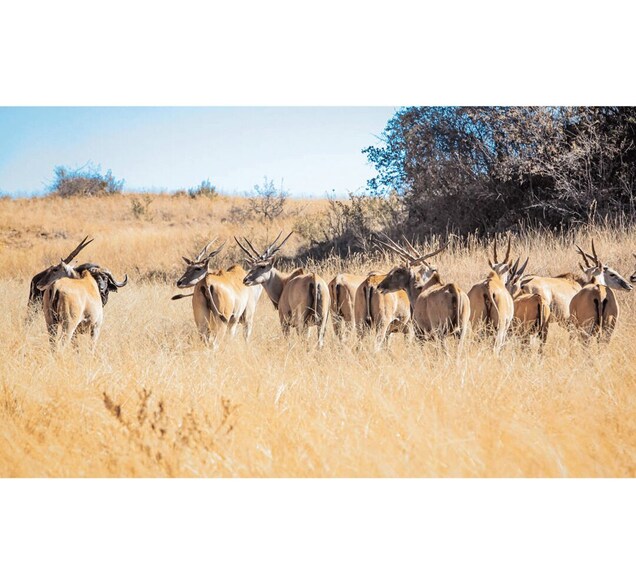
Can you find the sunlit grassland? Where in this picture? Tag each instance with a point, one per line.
(154, 401)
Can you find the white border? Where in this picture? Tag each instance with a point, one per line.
(330, 53)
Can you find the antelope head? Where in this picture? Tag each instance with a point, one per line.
(260, 264)
(633, 277)
(400, 277)
(514, 280)
(595, 269)
(61, 270)
(198, 267)
(502, 268)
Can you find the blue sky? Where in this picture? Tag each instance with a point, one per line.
(315, 150)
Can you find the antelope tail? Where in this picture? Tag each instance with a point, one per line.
(492, 311)
(454, 321)
(315, 301)
(54, 304)
(318, 304)
(209, 299)
(368, 294)
(600, 304)
(338, 308)
(180, 296)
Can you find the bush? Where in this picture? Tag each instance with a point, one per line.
(85, 181)
(205, 188)
(267, 202)
(140, 207)
(264, 203)
(488, 169)
(349, 225)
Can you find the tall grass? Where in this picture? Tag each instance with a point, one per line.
(153, 401)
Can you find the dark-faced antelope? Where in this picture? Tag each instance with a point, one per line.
(531, 311)
(220, 300)
(491, 304)
(302, 299)
(381, 313)
(594, 310)
(75, 300)
(632, 278)
(63, 269)
(342, 290)
(438, 309)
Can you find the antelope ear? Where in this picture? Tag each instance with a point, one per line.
(188, 262)
(491, 265)
(582, 268)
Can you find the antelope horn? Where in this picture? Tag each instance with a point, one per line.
(584, 255)
(203, 251)
(508, 250)
(390, 244)
(271, 252)
(495, 250)
(409, 246)
(271, 245)
(256, 253)
(523, 267)
(594, 253)
(513, 269)
(423, 258)
(216, 251)
(248, 253)
(397, 247)
(75, 251)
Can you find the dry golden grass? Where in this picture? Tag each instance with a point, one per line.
(153, 401)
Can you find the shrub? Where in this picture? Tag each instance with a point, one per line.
(85, 181)
(140, 207)
(205, 188)
(267, 202)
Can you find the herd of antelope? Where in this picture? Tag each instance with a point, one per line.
(412, 298)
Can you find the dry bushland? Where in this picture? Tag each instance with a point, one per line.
(153, 401)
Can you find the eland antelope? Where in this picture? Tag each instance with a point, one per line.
(75, 300)
(342, 291)
(531, 311)
(302, 299)
(438, 309)
(491, 304)
(220, 300)
(381, 313)
(36, 295)
(594, 309)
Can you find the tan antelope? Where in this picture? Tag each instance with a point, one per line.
(220, 300)
(381, 313)
(438, 309)
(36, 295)
(302, 299)
(594, 309)
(75, 300)
(342, 291)
(531, 311)
(491, 305)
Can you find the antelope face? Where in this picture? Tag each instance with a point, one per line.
(260, 273)
(55, 273)
(193, 273)
(610, 278)
(397, 279)
(633, 277)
